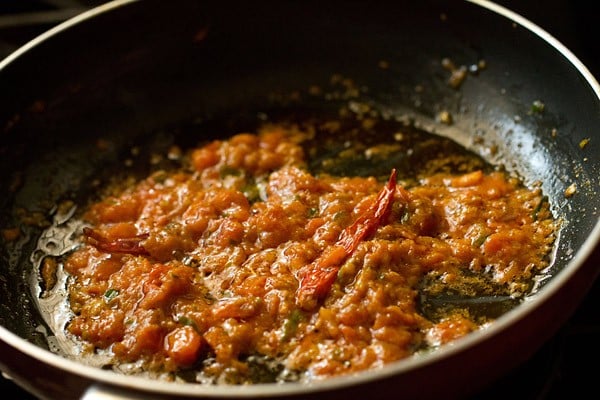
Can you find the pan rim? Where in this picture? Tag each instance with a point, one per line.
(70, 22)
(396, 368)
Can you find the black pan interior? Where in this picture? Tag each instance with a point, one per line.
(138, 74)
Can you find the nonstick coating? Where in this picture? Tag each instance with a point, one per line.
(135, 72)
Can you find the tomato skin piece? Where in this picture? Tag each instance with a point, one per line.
(184, 345)
(317, 278)
(128, 245)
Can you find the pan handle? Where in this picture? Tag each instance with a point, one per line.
(99, 391)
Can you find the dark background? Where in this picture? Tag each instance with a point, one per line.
(563, 367)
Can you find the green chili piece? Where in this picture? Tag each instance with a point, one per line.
(291, 324)
(110, 294)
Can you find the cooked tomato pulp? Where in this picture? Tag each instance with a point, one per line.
(200, 269)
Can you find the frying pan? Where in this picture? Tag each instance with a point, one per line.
(150, 73)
